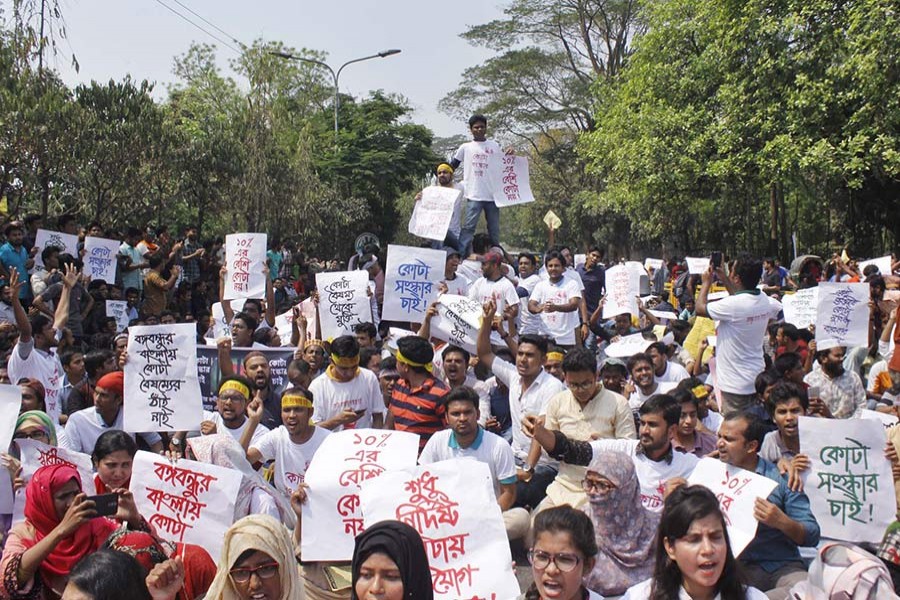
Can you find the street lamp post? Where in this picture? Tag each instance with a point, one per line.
(335, 75)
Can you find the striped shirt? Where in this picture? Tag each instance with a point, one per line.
(419, 410)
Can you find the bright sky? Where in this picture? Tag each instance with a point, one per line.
(140, 37)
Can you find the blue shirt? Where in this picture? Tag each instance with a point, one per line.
(771, 548)
(12, 258)
(594, 282)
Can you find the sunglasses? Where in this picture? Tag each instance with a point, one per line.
(243, 575)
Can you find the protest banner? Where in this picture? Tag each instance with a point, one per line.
(849, 481)
(842, 315)
(884, 265)
(101, 258)
(118, 310)
(737, 490)
(511, 181)
(162, 392)
(343, 302)
(451, 504)
(800, 308)
(697, 265)
(10, 403)
(411, 281)
(245, 257)
(67, 244)
(188, 501)
(332, 516)
(34, 455)
(623, 286)
(628, 345)
(433, 213)
(653, 263)
(886, 419)
(209, 375)
(457, 321)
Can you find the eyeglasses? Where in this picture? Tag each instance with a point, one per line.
(601, 485)
(266, 571)
(581, 386)
(564, 561)
(34, 435)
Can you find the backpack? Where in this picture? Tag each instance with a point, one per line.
(844, 571)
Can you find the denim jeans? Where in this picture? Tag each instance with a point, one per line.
(451, 241)
(473, 211)
(529, 494)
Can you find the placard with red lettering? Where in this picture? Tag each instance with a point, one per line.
(162, 391)
(511, 182)
(452, 505)
(186, 501)
(623, 285)
(35, 454)
(245, 257)
(332, 516)
(737, 490)
(434, 212)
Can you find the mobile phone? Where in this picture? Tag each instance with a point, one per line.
(716, 259)
(106, 505)
(812, 392)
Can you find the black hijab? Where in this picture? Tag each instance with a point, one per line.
(403, 545)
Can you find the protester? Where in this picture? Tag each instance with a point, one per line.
(113, 457)
(389, 563)
(106, 575)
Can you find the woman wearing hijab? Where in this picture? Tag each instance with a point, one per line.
(35, 425)
(389, 563)
(624, 529)
(59, 529)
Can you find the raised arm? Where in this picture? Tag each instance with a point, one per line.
(270, 299)
(22, 322)
(483, 345)
(61, 316)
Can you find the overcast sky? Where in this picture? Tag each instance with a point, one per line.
(140, 37)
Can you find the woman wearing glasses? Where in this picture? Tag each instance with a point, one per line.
(562, 556)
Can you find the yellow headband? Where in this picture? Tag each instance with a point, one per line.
(700, 392)
(427, 366)
(318, 343)
(233, 384)
(345, 362)
(444, 165)
(292, 399)
(555, 356)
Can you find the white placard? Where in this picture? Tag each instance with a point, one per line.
(512, 182)
(433, 213)
(886, 419)
(35, 454)
(628, 345)
(663, 315)
(623, 285)
(411, 281)
(66, 242)
(653, 263)
(332, 516)
(884, 265)
(849, 482)
(343, 302)
(101, 258)
(842, 315)
(188, 501)
(10, 402)
(245, 257)
(697, 265)
(579, 260)
(220, 327)
(737, 490)
(162, 391)
(451, 504)
(712, 340)
(800, 308)
(285, 321)
(458, 321)
(118, 310)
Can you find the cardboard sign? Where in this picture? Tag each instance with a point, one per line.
(842, 315)
(884, 265)
(118, 310)
(623, 285)
(653, 263)
(411, 282)
(458, 321)
(511, 182)
(552, 221)
(434, 212)
(67, 244)
(628, 345)
(697, 265)
(343, 302)
(245, 257)
(801, 308)
(101, 258)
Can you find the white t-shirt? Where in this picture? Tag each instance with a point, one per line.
(476, 158)
(652, 474)
(291, 460)
(28, 361)
(488, 448)
(502, 292)
(85, 426)
(569, 274)
(743, 318)
(713, 421)
(559, 325)
(532, 402)
(459, 285)
(674, 373)
(641, 591)
(216, 418)
(637, 397)
(529, 323)
(330, 397)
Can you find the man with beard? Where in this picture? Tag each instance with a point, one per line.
(256, 370)
(528, 280)
(557, 300)
(492, 285)
(230, 416)
(841, 393)
(444, 174)
(643, 382)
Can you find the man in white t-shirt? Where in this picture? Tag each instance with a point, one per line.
(664, 370)
(492, 285)
(466, 438)
(345, 396)
(476, 157)
(454, 282)
(230, 415)
(742, 321)
(85, 426)
(291, 445)
(557, 300)
(643, 382)
(528, 280)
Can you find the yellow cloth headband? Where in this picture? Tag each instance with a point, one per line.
(235, 385)
(295, 400)
(555, 356)
(700, 392)
(400, 358)
(345, 362)
(444, 165)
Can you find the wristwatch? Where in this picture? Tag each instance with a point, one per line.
(529, 472)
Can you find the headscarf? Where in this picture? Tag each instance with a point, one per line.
(223, 450)
(403, 545)
(199, 568)
(39, 419)
(40, 512)
(624, 529)
(265, 534)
